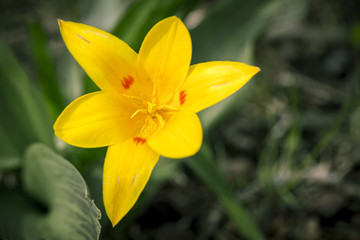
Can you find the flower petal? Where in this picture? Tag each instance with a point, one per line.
(127, 169)
(97, 119)
(181, 136)
(209, 83)
(165, 57)
(108, 61)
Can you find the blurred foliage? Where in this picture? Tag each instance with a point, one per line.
(24, 118)
(280, 159)
(52, 192)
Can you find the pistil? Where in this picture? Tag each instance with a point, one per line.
(151, 108)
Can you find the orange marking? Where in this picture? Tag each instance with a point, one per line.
(182, 97)
(139, 140)
(127, 81)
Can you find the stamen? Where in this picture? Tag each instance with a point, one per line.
(139, 101)
(154, 91)
(167, 108)
(136, 112)
(132, 97)
(160, 119)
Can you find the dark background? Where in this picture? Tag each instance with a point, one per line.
(286, 146)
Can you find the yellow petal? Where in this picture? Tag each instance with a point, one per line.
(181, 136)
(210, 82)
(127, 169)
(97, 119)
(108, 61)
(165, 57)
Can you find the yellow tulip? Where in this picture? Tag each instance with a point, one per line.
(147, 104)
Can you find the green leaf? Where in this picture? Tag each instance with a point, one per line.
(9, 158)
(45, 69)
(229, 31)
(24, 118)
(53, 203)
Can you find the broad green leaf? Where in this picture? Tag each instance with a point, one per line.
(54, 203)
(23, 115)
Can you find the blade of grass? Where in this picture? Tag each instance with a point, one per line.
(288, 151)
(330, 134)
(297, 176)
(267, 159)
(205, 168)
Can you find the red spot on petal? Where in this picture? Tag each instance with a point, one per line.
(182, 97)
(127, 81)
(139, 140)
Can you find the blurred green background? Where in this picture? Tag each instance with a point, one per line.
(280, 158)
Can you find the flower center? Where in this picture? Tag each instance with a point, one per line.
(151, 108)
(154, 110)
(154, 116)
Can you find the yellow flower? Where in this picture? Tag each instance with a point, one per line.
(147, 104)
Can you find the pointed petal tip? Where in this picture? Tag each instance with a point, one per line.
(116, 217)
(114, 223)
(60, 22)
(123, 181)
(175, 18)
(172, 19)
(253, 70)
(113, 217)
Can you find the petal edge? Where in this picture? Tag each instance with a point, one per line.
(107, 60)
(210, 82)
(164, 57)
(127, 169)
(181, 137)
(96, 120)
